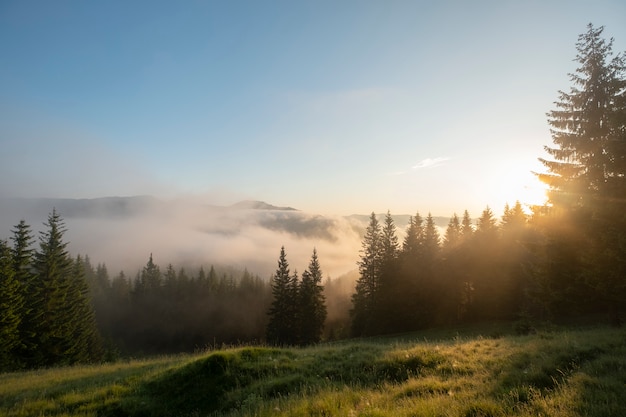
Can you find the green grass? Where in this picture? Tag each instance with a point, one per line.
(551, 373)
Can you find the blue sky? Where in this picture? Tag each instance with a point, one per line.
(329, 106)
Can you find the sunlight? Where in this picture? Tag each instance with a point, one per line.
(525, 187)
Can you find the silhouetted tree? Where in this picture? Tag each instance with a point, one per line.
(587, 175)
(365, 299)
(453, 232)
(312, 307)
(281, 329)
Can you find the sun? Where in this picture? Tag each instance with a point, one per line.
(520, 185)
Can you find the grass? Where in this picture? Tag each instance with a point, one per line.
(550, 373)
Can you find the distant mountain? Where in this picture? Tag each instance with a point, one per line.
(258, 205)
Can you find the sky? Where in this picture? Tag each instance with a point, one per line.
(331, 107)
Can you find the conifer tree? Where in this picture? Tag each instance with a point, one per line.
(486, 226)
(281, 328)
(150, 280)
(413, 240)
(312, 307)
(431, 240)
(453, 232)
(53, 268)
(11, 308)
(387, 316)
(365, 298)
(467, 230)
(513, 218)
(85, 343)
(22, 255)
(587, 178)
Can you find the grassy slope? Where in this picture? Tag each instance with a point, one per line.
(557, 373)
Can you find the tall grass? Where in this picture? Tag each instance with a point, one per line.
(555, 373)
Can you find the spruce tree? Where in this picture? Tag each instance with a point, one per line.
(22, 254)
(453, 232)
(85, 343)
(11, 308)
(389, 287)
(431, 241)
(312, 307)
(282, 325)
(413, 240)
(53, 269)
(467, 230)
(365, 298)
(587, 178)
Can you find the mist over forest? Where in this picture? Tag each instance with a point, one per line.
(123, 231)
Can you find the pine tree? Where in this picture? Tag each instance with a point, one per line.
(281, 328)
(22, 255)
(467, 230)
(513, 219)
(412, 244)
(486, 227)
(11, 308)
(53, 268)
(587, 176)
(85, 342)
(365, 298)
(390, 283)
(150, 280)
(588, 128)
(453, 232)
(312, 307)
(431, 241)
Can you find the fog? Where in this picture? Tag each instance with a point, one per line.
(122, 232)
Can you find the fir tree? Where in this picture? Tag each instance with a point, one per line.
(365, 298)
(281, 328)
(11, 308)
(413, 240)
(587, 176)
(312, 307)
(453, 232)
(22, 255)
(53, 268)
(467, 230)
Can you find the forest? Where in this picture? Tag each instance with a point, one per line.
(559, 261)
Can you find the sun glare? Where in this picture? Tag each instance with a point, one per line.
(525, 188)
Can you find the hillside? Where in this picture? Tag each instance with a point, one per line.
(453, 372)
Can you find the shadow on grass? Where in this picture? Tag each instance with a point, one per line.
(553, 366)
(226, 381)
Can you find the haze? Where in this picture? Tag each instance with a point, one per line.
(331, 107)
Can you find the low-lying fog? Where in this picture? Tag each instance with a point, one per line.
(123, 232)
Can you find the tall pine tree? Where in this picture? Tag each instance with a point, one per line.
(11, 307)
(587, 180)
(365, 299)
(22, 254)
(312, 307)
(283, 312)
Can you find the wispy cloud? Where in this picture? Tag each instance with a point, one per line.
(424, 163)
(429, 163)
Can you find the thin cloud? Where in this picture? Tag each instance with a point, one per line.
(424, 163)
(429, 163)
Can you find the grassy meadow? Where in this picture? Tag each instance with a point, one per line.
(476, 372)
